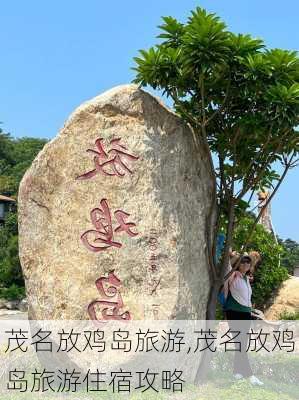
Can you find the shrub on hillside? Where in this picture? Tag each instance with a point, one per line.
(271, 273)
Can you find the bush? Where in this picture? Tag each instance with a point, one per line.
(271, 274)
(13, 292)
(16, 156)
(10, 267)
(290, 256)
(286, 315)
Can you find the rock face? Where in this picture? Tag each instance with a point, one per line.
(113, 215)
(286, 300)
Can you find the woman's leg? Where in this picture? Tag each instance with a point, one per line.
(240, 322)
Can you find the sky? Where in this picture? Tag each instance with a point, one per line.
(57, 54)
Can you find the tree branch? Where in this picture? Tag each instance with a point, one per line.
(261, 171)
(222, 105)
(287, 167)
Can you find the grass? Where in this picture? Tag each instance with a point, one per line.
(220, 385)
(286, 315)
(279, 372)
(222, 389)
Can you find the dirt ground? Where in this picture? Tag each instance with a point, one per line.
(12, 314)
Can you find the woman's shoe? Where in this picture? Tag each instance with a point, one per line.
(255, 381)
(238, 376)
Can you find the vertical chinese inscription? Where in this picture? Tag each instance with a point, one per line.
(102, 237)
(113, 162)
(110, 303)
(116, 161)
(152, 272)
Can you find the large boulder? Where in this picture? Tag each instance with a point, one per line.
(286, 300)
(114, 212)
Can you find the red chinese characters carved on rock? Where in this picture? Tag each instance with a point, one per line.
(102, 237)
(110, 304)
(111, 162)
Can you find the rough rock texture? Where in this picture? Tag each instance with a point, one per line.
(157, 174)
(287, 299)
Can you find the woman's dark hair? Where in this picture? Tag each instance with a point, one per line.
(239, 261)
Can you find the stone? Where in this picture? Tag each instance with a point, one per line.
(286, 299)
(23, 305)
(12, 304)
(12, 314)
(3, 303)
(114, 215)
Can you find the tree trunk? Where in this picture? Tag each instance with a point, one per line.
(213, 297)
(212, 302)
(210, 324)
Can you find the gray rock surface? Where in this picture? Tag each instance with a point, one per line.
(128, 213)
(12, 314)
(12, 304)
(23, 305)
(3, 303)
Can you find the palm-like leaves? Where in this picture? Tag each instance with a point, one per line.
(248, 94)
(284, 65)
(173, 32)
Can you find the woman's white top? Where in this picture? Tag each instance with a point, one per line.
(240, 289)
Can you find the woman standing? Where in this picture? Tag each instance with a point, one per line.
(237, 291)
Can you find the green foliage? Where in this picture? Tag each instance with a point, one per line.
(10, 268)
(12, 292)
(278, 371)
(290, 256)
(270, 274)
(286, 315)
(242, 100)
(242, 97)
(16, 156)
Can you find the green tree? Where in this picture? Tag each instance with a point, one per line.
(242, 101)
(290, 256)
(271, 273)
(16, 155)
(6, 160)
(10, 267)
(5, 149)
